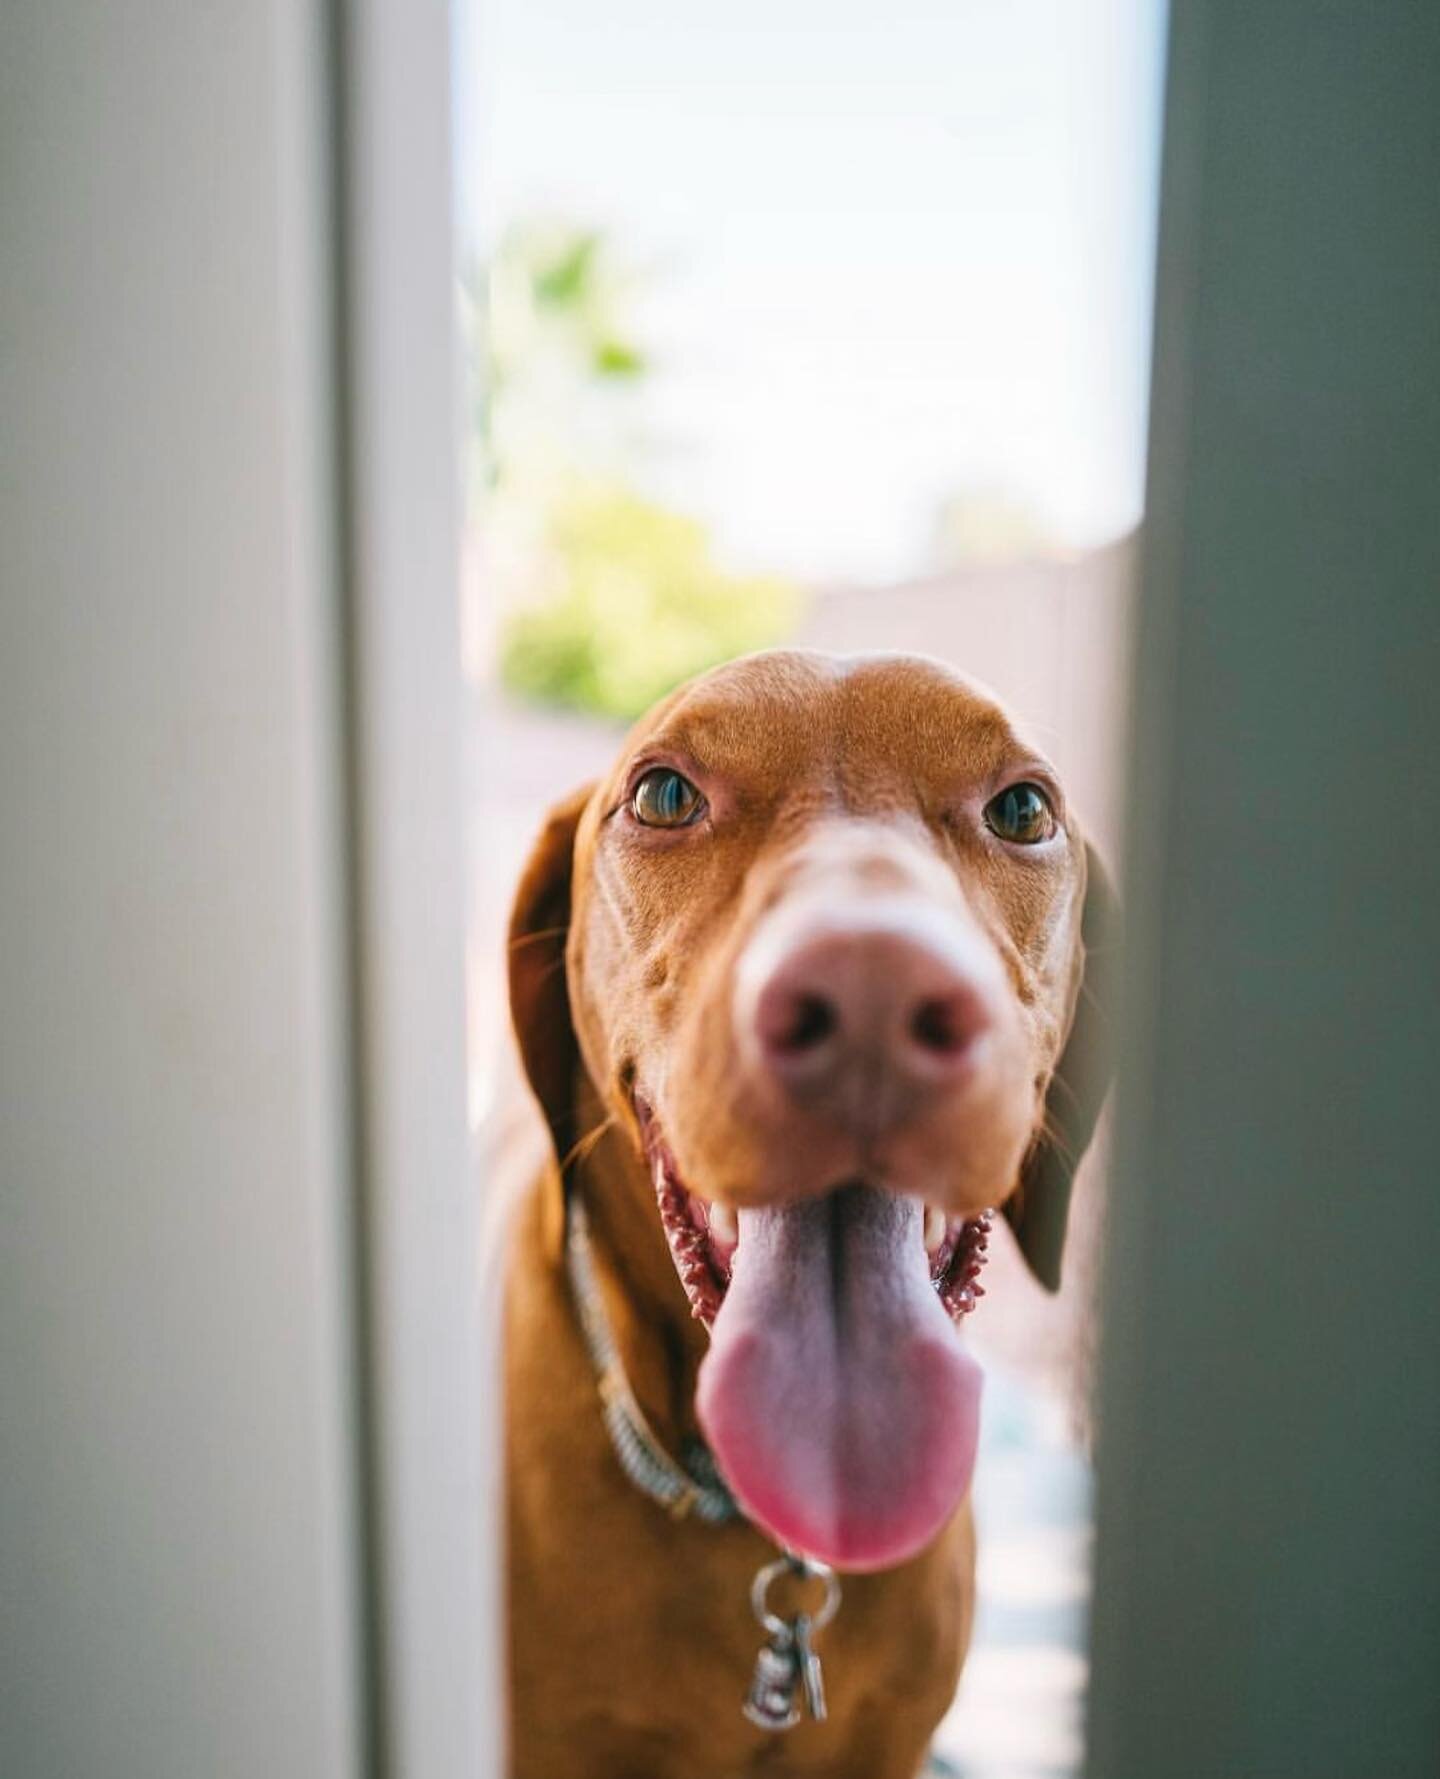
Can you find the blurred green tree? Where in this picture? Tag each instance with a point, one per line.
(638, 605)
(605, 597)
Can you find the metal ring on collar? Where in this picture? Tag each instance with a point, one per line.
(806, 1569)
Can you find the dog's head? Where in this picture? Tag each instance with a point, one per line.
(820, 943)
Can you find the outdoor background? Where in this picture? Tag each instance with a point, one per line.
(826, 325)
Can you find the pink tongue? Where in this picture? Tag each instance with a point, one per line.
(836, 1394)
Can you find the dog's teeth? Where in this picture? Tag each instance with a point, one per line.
(724, 1225)
(934, 1229)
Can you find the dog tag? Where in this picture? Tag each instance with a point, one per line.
(787, 1669)
(770, 1703)
(812, 1681)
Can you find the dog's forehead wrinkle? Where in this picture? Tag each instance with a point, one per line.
(929, 728)
(878, 733)
(747, 691)
(735, 739)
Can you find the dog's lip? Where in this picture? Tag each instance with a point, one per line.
(701, 1255)
(703, 1234)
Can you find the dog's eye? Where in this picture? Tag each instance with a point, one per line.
(665, 798)
(1022, 814)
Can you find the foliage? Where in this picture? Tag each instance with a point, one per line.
(555, 344)
(635, 605)
(607, 597)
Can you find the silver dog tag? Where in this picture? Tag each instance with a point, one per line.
(812, 1681)
(787, 1681)
(771, 1704)
(787, 1670)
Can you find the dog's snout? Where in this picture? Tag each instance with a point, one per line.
(868, 991)
(868, 1011)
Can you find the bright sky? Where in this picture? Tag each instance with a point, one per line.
(905, 245)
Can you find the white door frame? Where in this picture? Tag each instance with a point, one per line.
(432, 1447)
(1267, 1590)
(243, 1509)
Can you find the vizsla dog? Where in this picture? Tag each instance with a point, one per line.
(801, 987)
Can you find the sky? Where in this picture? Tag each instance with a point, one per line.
(902, 249)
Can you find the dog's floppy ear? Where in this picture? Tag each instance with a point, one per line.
(539, 989)
(1040, 1206)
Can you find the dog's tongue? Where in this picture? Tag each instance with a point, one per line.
(836, 1395)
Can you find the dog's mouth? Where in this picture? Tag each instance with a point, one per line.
(836, 1395)
(703, 1235)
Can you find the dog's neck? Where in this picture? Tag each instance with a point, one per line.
(660, 1343)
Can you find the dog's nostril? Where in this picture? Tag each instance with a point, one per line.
(860, 1004)
(809, 1021)
(812, 1020)
(939, 1024)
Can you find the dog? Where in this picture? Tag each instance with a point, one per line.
(804, 987)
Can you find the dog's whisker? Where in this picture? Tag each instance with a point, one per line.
(540, 936)
(582, 1149)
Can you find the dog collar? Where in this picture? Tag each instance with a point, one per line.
(691, 1485)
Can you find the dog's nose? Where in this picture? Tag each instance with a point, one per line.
(872, 1013)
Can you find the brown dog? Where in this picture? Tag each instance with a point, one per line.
(792, 986)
